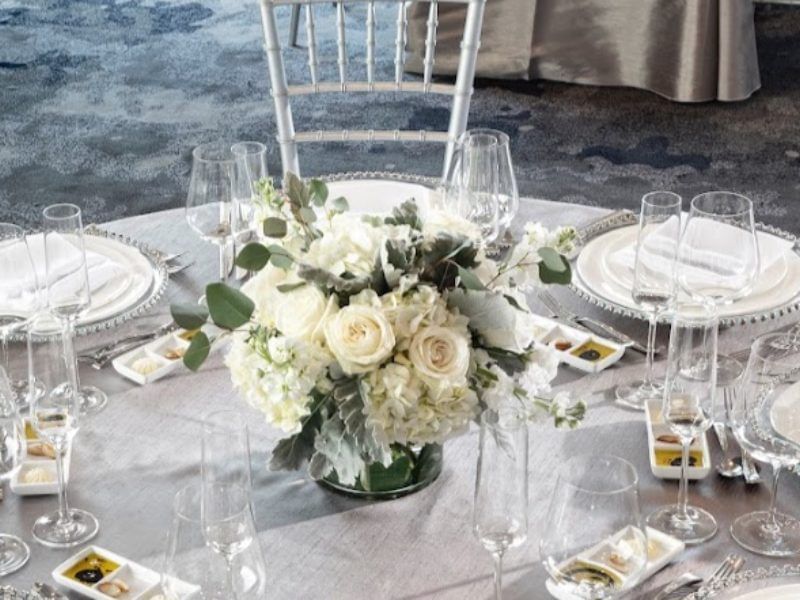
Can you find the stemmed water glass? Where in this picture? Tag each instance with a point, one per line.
(654, 286)
(764, 420)
(472, 188)
(55, 417)
(68, 293)
(500, 518)
(20, 299)
(718, 255)
(210, 199)
(226, 513)
(193, 571)
(689, 409)
(595, 545)
(14, 553)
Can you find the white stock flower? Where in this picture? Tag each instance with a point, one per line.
(348, 245)
(541, 370)
(501, 392)
(410, 412)
(440, 355)
(360, 337)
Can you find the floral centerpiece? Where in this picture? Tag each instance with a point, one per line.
(371, 340)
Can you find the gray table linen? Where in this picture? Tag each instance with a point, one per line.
(685, 50)
(129, 461)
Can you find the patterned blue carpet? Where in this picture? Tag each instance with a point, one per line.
(101, 102)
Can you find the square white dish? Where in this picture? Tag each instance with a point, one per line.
(662, 550)
(17, 483)
(657, 428)
(551, 333)
(142, 583)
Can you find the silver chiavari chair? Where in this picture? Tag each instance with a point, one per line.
(282, 92)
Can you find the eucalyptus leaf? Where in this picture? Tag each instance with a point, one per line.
(307, 215)
(197, 352)
(296, 191)
(253, 257)
(279, 257)
(229, 308)
(189, 316)
(554, 268)
(469, 280)
(290, 287)
(274, 227)
(513, 302)
(319, 191)
(340, 204)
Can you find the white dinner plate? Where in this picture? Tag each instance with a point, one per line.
(380, 196)
(118, 295)
(785, 414)
(776, 286)
(789, 591)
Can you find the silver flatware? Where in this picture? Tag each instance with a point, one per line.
(676, 588)
(175, 269)
(729, 466)
(96, 352)
(46, 592)
(750, 470)
(587, 323)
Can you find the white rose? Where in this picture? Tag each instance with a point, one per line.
(360, 337)
(440, 354)
(300, 313)
(262, 290)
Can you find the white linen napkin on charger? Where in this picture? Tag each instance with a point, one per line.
(659, 247)
(103, 272)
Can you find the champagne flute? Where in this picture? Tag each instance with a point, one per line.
(688, 409)
(20, 299)
(68, 293)
(471, 189)
(763, 418)
(718, 255)
(654, 286)
(500, 517)
(210, 198)
(250, 167)
(595, 545)
(227, 517)
(56, 417)
(14, 553)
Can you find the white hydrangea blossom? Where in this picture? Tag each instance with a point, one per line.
(409, 411)
(349, 245)
(279, 379)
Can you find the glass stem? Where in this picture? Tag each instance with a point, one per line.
(224, 263)
(497, 557)
(772, 526)
(68, 340)
(63, 507)
(683, 490)
(229, 576)
(651, 347)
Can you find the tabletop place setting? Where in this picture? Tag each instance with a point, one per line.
(387, 385)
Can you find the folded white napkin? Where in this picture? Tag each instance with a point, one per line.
(659, 250)
(101, 269)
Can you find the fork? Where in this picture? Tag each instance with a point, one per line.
(175, 269)
(730, 565)
(587, 323)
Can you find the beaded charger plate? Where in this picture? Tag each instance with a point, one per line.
(777, 291)
(774, 583)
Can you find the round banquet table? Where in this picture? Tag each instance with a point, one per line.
(129, 461)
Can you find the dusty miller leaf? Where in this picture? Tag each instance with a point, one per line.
(328, 280)
(335, 450)
(370, 439)
(405, 214)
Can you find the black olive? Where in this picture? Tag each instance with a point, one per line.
(591, 355)
(676, 462)
(89, 575)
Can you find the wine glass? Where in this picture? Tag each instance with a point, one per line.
(654, 286)
(250, 167)
(508, 193)
(68, 293)
(689, 409)
(192, 570)
(500, 517)
(14, 553)
(718, 255)
(19, 298)
(595, 545)
(764, 418)
(56, 417)
(226, 513)
(210, 198)
(471, 189)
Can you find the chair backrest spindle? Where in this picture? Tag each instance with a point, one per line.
(461, 91)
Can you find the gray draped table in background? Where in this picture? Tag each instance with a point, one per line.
(685, 50)
(129, 460)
